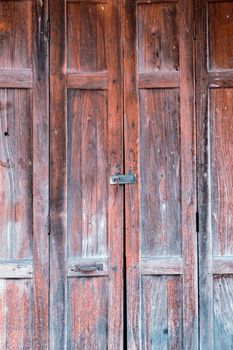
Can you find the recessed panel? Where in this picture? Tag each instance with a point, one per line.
(86, 37)
(16, 314)
(88, 313)
(158, 45)
(87, 173)
(15, 34)
(223, 312)
(221, 119)
(221, 35)
(161, 312)
(160, 172)
(15, 174)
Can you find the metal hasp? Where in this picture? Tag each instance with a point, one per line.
(122, 179)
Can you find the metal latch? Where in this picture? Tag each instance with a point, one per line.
(87, 268)
(122, 179)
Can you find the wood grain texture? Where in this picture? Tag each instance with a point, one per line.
(88, 313)
(223, 265)
(160, 187)
(15, 34)
(40, 190)
(131, 137)
(160, 79)
(17, 78)
(188, 176)
(87, 173)
(11, 269)
(16, 317)
(161, 313)
(161, 266)
(87, 81)
(204, 235)
(58, 176)
(86, 147)
(221, 110)
(16, 174)
(86, 30)
(220, 17)
(221, 78)
(223, 311)
(158, 37)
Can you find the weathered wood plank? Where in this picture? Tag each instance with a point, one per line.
(204, 196)
(161, 79)
(86, 31)
(58, 176)
(220, 26)
(188, 176)
(19, 269)
(90, 1)
(16, 33)
(221, 78)
(88, 81)
(17, 78)
(87, 181)
(158, 36)
(223, 312)
(40, 183)
(223, 265)
(221, 129)
(131, 137)
(88, 308)
(165, 266)
(16, 174)
(160, 172)
(154, 1)
(116, 236)
(16, 314)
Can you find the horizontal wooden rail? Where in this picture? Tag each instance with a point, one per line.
(90, 1)
(162, 266)
(90, 81)
(87, 267)
(154, 1)
(147, 80)
(221, 78)
(16, 269)
(223, 265)
(20, 78)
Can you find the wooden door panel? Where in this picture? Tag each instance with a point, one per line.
(16, 329)
(87, 173)
(23, 175)
(160, 172)
(86, 26)
(86, 148)
(16, 34)
(161, 261)
(162, 312)
(214, 91)
(158, 37)
(16, 174)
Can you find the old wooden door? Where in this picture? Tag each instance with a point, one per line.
(24, 244)
(135, 87)
(122, 101)
(214, 97)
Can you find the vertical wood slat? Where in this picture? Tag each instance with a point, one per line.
(131, 164)
(188, 176)
(40, 175)
(58, 258)
(204, 236)
(115, 149)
